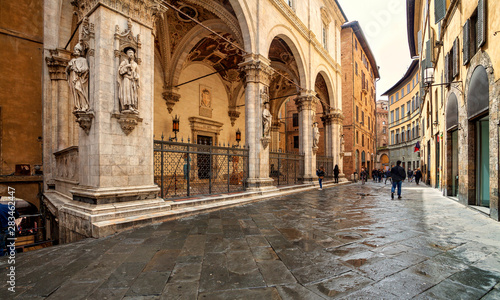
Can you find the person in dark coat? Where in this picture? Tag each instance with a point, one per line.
(418, 175)
(336, 172)
(321, 174)
(398, 175)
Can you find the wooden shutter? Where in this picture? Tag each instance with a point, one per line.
(466, 43)
(455, 58)
(428, 53)
(481, 23)
(439, 10)
(419, 42)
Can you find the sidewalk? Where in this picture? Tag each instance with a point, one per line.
(344, 242)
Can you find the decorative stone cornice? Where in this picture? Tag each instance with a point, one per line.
(57, 63)
(144, 12)
(307, 34)
(257, 69)
(171, 97)
(334, 117)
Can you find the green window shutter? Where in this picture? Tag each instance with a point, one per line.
(466, 43)
(439, 10)
(481, 23)
(455, 58)
(428, 57)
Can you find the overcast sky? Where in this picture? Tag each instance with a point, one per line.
(384, 25)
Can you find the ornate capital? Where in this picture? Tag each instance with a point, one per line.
(84, 119)
(257, 69)
(171, 97)
(57, 63)
(304, 102)
(144, 12)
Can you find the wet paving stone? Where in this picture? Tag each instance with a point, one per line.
(331, 244)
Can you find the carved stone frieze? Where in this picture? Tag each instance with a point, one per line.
(128, 120)
(84, 119)
(67, 164)
(144, 12)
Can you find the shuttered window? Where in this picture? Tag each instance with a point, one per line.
(439, 10)
(419, 42)
(455, 58)
(466, 43)
(481, 23)
(428, 54)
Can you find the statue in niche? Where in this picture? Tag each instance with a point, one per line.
(315, 135)
(128, 82)
(267, 118)
(77, 74)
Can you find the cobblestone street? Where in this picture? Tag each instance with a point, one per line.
(349, 241)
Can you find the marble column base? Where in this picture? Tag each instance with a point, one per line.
(93, 195)
(260, 184)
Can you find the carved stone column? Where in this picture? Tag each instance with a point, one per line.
(257, 77)
(336, 120)
(305, 105)
(116, 156)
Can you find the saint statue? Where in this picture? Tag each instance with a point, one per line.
(315, 135)
(77, 74)
(129, 82)
(267, 118)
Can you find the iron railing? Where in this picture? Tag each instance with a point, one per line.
(286, 168)
(187, 169)
(327, 163)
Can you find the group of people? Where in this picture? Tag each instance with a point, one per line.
(396, 175)
(321, 175)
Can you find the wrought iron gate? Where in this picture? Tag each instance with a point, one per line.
(186, 169)
(327, 163)
(286, 168)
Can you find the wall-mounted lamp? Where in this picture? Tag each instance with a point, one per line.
(175, 126)
(429, 76)
(238, 136)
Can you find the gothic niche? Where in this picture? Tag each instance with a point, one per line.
(77, 74)
(128, 94)
(267, 118)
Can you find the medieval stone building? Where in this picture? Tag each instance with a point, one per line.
(143, 101)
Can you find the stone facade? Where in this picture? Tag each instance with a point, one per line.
(461, 102)
(382, 126)
(360, 72)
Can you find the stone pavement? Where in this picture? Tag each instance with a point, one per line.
(346, 242)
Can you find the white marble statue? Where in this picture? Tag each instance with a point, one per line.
(129, 82)
(77, 74)
(267, 118)
(315, 135)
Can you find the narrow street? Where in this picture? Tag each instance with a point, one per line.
(345, 242)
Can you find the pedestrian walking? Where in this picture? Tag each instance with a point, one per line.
(374, 174)
(418, 176)
(336, 172)
(388, 176)
(380, 173)
(363, 175)
(398, 175)
(321, 174)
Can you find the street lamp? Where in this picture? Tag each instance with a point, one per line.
(429, 76)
